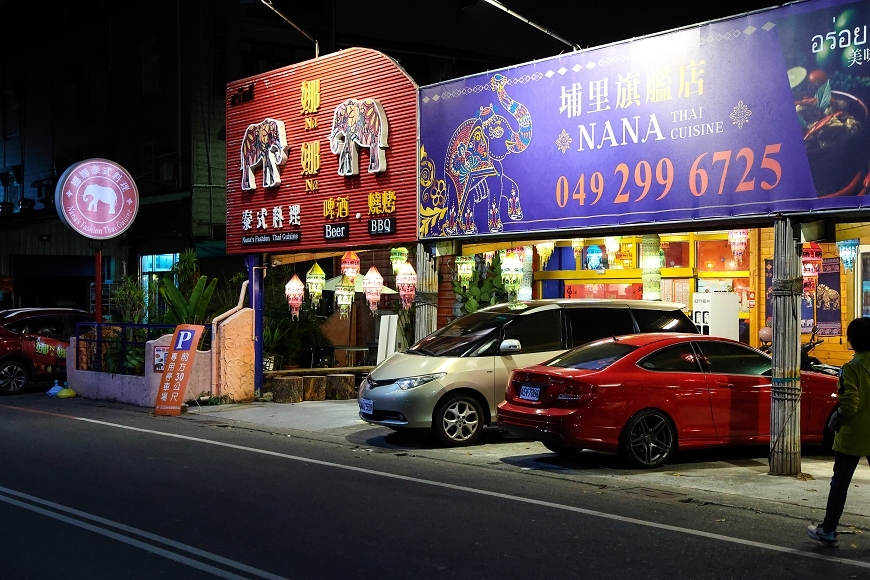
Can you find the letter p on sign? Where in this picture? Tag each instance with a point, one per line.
(183, 340)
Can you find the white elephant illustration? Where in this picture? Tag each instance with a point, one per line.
(96, 193)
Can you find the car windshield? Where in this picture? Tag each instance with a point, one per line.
(461, 336)
(593, 356)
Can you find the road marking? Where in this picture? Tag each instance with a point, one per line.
(516, 498)
(133, 542)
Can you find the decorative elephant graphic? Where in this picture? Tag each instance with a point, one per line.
(264, 145)
(97, 193)
(358, 124)
(827, 298)
(473, 164)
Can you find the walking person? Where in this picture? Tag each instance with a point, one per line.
(851, 423)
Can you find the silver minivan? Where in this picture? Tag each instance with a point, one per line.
(452, 381)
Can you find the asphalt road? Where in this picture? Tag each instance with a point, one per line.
(99, 491)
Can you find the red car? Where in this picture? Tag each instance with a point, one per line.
(33, 345)
(644, 396)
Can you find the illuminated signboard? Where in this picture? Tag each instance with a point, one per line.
(322, 154)
(97, 198)
(746, 117)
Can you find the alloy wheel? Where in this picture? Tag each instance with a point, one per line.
(461, 421)
(651, 440)
(13, 378)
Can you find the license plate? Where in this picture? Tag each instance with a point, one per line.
(530, 393)
(366, 406)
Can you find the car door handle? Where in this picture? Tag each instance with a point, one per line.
(29, 337)
(724, 384)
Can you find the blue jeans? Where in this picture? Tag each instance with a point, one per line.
(844, 469)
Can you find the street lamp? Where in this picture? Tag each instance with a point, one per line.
(291, 23)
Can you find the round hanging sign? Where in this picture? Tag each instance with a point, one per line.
(97, 198)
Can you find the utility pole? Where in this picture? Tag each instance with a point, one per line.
(785, 394)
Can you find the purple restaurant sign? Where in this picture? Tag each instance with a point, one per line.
(750, 116)
(97, 198)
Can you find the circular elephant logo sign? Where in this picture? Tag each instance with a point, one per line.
(97, 198)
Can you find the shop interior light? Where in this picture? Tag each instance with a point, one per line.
(545, 250)
(464, 270)
(350, 265)
(373, 285)
(848, 252)
(487, 257)
(295, 292)
(651, 258)
(738, 240)
(406, 284)
(398, 256)
(344, 293)
(314, 280)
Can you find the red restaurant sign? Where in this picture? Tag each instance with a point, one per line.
(322, 155)
(97, 198)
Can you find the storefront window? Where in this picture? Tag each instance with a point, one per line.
(676, 254)
(738, 285)
(715, 256)
(152, 267)
(862, 279)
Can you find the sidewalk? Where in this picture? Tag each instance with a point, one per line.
(736, 476)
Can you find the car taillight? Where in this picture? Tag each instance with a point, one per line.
(574, 394)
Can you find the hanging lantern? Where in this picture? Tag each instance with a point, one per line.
(651, 266)
(512, 276)
(577, 248)
(344, 292)
(314, 280)
(295, 292)
(406, 283)
(545, 250)
(519, 252)
(464, 270)
(487, 257)
(738, 240)
(350, 265)
(373, 285)
(398, 256)
(594, 257)
(612, 246)
(848, 252)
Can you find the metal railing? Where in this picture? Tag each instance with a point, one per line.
(119, 348)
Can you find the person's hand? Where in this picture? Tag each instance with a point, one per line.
(834, 421)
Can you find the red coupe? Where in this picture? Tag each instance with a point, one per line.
(644, 396)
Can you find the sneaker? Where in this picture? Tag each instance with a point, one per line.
(828, 539)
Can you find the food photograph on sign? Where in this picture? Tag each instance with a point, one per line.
(753, 115)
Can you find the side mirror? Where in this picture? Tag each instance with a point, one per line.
(510, 345)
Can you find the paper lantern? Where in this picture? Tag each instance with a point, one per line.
(594, 256)
(487, 257)
(519, 252)
(545, 250)
(512, 276)
(406, 284)
(373, 285)
(295, 292)
(848, 252)
(398, 256)
(344, 292)
(350, 265)
(577, 248)
(464, 270)
(314, 280)
(738, 240)
(651, 257)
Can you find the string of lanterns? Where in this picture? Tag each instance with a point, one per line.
(345, 289)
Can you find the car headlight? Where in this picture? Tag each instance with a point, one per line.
(411, 382)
